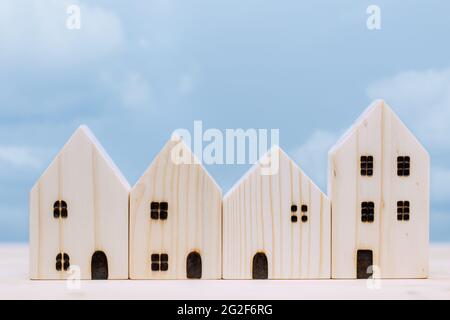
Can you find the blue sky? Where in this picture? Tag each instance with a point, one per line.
(137, 70)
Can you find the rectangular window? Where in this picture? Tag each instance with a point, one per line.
(403, 166)
(403, 210)
(367, 166)
(367, 211)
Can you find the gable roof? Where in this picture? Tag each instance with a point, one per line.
(83, 133)
(283, 156)
(177, 141)
(373, 107)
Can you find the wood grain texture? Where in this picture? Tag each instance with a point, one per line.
(14, 284)
(193, 221)
(96, 193)
(257, 218)
(400, 248)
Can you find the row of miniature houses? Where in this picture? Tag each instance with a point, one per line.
(175, 224)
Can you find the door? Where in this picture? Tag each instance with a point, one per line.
(364, 261)
(99, 266)
(259, 266)
(194, 265)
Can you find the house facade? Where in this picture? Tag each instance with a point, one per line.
(79, 215)
(276, 224)
(175, 219)
(379, 188)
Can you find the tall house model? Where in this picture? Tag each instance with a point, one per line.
(79, 215)
(379, 187)
(276, 224)
(175, 219)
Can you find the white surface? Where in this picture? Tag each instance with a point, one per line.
(14, 284)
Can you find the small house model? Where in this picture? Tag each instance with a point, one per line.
(379, 187)
(79, 215)
(276, 224)
(175, 219)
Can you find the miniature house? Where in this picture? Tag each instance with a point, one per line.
(276, 224)
(379, 187)
(175, 219)
(79, 215)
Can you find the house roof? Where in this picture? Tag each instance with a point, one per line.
(177, 141)
(259, 163)
(365, 116)
(85, 134)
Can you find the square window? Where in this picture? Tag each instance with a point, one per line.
(304, 218)
(154, 214)
(155, 257)
(158, 210)
(293, 208)
(163, 215)
(155, 266)
(154, 205)
(293, 218)
(304, 208)
(164, 257)
(164, 206)
(164, 266)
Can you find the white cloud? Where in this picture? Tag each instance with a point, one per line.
(34, 32)
(312, 156)
(21, 156)
(422, 99)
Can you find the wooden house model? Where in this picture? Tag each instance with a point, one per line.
(276, 224)
(79, 214)
(379, 188)
(175, 219)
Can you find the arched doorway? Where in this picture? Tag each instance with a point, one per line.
(99, 266)
(260, 266)
(194, 265)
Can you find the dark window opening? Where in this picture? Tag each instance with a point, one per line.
(293, 218)
(367, 211)
(403, 210)
(260, 269)
(99, 266)
(364, 264)
(159, 210)
(366, 165)
(304, 218)
(403, 166)
(62, 262)
(194, 265)
(60, 209)
(294, 208)
(160, 262)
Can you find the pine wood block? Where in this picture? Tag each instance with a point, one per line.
(182, 236)
(79, 214)
(258, 222)
(399, 245)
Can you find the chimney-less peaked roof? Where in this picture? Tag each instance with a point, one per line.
(366, 116)
(83, 133)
